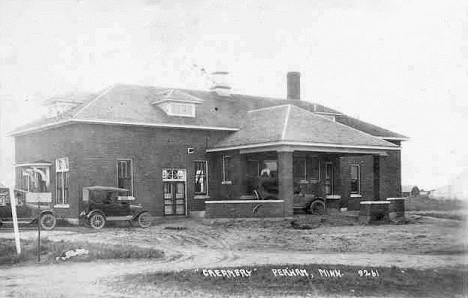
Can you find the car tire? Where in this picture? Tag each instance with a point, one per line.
(97, 221)
(144, 220)
(47, 221)
(317, 207)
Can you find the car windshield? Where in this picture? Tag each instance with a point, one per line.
(102, 196)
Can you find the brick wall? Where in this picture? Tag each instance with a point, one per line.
(389, 168)
(244, 209)
(93, 151)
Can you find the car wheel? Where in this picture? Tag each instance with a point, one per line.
(317, 207)
(97, 221)
(145, 220)
(47, 221)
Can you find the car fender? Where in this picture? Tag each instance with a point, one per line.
(313, 200)
(91, 213)
(135, 217)
(48, 211)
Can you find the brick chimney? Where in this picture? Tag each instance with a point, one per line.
(220, 83)
(294, 85)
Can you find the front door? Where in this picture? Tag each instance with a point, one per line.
(174, 192)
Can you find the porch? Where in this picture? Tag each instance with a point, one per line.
(276, 183)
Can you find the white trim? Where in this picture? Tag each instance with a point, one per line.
(74, 120)
(374, 203)
(40, 128)
(62, 206)
(327, 113)
(205, 195)
(153, 124)
(224, 181)
(289, 143)
(244, 201)
(132, 173)
(395, 199)
(394, 138)
(201, 197)
(32, 164)
(357, 194)
(286, 120)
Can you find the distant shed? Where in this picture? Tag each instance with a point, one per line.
(409, 191)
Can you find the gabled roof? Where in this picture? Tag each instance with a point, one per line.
(132, 105)
(291, 125)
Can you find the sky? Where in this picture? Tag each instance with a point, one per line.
(401, 65)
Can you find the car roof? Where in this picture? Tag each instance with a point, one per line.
(104, 188)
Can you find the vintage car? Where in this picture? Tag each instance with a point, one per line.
(267, 189)
(105, 203)
(30, 208)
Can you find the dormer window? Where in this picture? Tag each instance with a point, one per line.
(61, 103)
(181, 109)
(177, 103)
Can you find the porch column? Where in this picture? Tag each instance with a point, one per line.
(285, 180)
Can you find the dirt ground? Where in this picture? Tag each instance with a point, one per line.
(424, 242)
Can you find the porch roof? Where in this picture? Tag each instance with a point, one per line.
(288, 127)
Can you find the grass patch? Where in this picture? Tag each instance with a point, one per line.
(349, 281)
(50, 250)
(427, 204)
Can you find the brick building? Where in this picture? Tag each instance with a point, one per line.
(176, 149)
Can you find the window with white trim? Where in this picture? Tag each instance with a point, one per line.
(62, 181)
(355, 179)
(125, 175)
(201, 177)
(227, 171)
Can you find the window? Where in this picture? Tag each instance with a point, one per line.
(4, 196)
(300, 169)
(182, 109)
(328, 178)
(269, 169)
(306, 168)
(201, 177)
(253, 168)
(62, 170)
(227, 172)
(313, 168)
(125, 175)
(355, 179)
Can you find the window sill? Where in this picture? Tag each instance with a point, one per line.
(62, 206)
(355, 195)
(227, 182)
(201, 197)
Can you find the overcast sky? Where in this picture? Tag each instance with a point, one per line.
(402, 65)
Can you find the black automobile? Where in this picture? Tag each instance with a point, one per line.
(267, 189)
(30, 208)
(106, 203)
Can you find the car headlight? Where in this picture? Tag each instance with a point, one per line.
(82, 213)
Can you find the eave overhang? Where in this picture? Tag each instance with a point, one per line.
(290, 146)
(130, 123)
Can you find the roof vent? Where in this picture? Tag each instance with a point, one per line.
(220, 83)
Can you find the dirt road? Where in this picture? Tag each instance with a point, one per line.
(425, 243)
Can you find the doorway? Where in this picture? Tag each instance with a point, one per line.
(174, 188)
